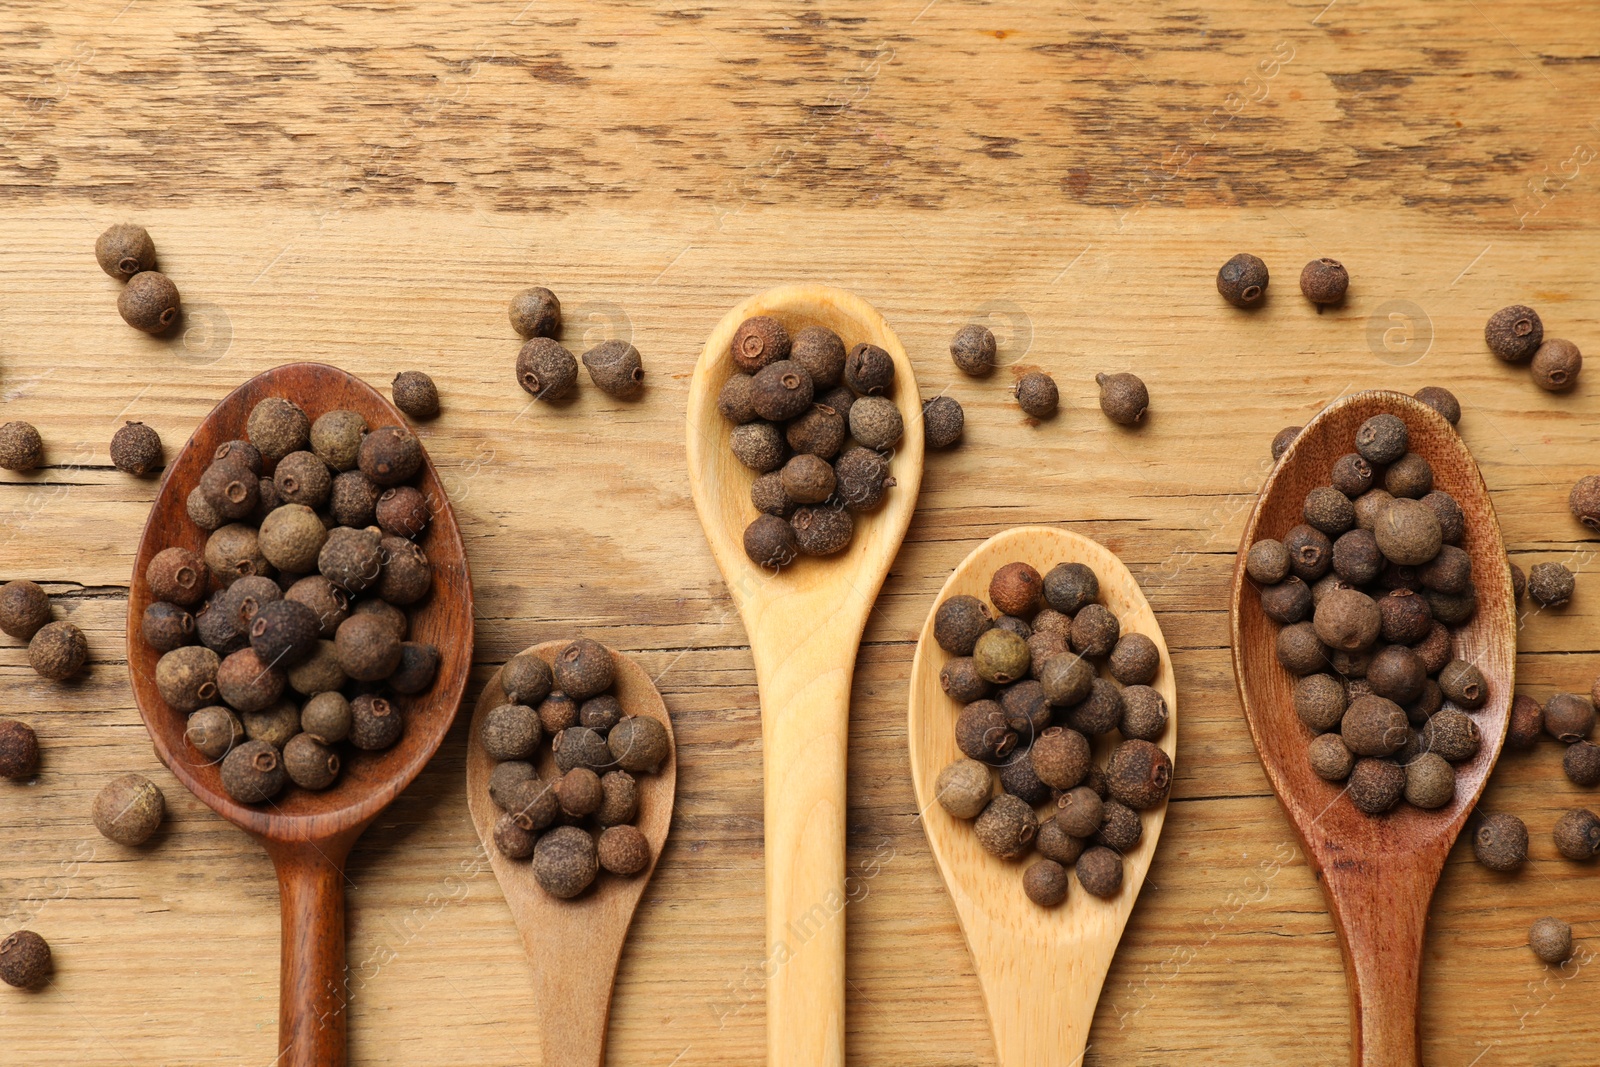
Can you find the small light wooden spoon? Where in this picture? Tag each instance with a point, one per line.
(575, 945)
(309, 835)
(1040, 969)
(805, 624)
(1378, 873)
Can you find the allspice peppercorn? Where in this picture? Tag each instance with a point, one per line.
(1283, 439)
(1527, 722)
(302, 478)
(1242, 281)
(942, 421)
(124, 250)
(327, 717)
(1501, 842)
(21, 448)
(781, 391)
(136, 449)
(615, 368)
(407, 575)
(1267, 562)
(546, 370)
(510, 732)
(1310, 552)
(129, 809)
(822, 531)
(58, 650)
(1144, 713)
(875, 422)
(758, 445)
(557, 712)
(767, 494)
(1095, 631)
(1123, 397)
(1514, 333)
(375, 724)
(1054, 843)
(1452, 734)
(1139, 774)
(283, 633)
(1584, 501)
(862, 477)
(1348, 620)
(24, 960)
(246, 682)
(964, 788)
(1409, 476)
(253, 772)
(1300, 650)
(415, 394)
(213, 731)
(1099, 871)
(1328, 510)
(1441, 400)
(819, 431)
(619, 799)
(959, 622)
(1099, 712)
(1382, 439)
(1430, 781)
(807, 479)
(177, 575)
(821, 353)
(390, 455)
(535, 312)
(770, 542)
(187, 677)
(973, 350)
(1014, 589)
(1135, 660)
(1045, 882)
(1376, 785)
(1000, 656)
(1556, 365)
(276, 427)
(1408, 532)
(512, 839)
(504, 776)
(1068, 587)
(19, 750)
(1320, 701)
(419, 664)
(1577, 834)
(759, 341)
(368, 648)
(1120, 827)
(351, 559)
(24, 608)
(868, 370)
(1006, 826)
(583, 669)
(1037, 395)
(149, 302)
(1551, 940)
(565, 861)
(1060, 757)
(959, 678)
(1581, 762)
(623, 850)
(578, 792)
(1324, 281)
(1331, 759)
(1551, 584)
(639, 744)
(336, 438)
(1568, 717)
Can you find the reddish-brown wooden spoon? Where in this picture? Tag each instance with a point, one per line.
(309, 835)
(1379, 872)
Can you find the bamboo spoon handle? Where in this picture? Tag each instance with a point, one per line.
(805, 717)
(312, 1005)
(1041, 994)
(1381, 910)
(575, 975)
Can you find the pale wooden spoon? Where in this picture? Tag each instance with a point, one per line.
(1378, 873)
(805, 624)
(575, 945)
(1040, 969)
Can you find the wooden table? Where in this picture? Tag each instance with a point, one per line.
(369, 187)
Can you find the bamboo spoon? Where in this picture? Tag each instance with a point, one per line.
(1040, 969)
(308, 835)
(1378, 873)
(575, 945)
(805, 624)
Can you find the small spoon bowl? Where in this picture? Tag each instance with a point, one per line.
(1378, 872)
(1040, 969)
(575, 945)
(309, 834)
(805, 624)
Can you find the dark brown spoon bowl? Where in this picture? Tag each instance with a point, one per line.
(309, 834)
(1378, 872)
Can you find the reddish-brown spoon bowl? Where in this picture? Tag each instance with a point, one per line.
(308, 835)
(1379, 872)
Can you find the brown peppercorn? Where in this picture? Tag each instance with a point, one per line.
(1120, 827)
(1079, 812)
(623, 850)
(557, 712)
(1556, 365)
(1242, 281)
(1348, 620)
(230, 489)
(964, 788)
(875, 422)
(821, 353)
(1310, 552)
(415, 394)
(535, 312)
(1551, 940)
(253, 772)
(124, 250)
(1551, 584)
(1409, 476)
(869, 370)
(246, 682)
(1320, 701)
(1448, 572)
(419, 664)
(290, 538)
(327, 717)
(758, 445)
(1373, 726)
(24, 960)
(1356, 558)
(546, 370)
(353, 499)
(1584, 501)
(1045, 882)
(368, 648)
(1267, 562)
(24, 608)
(327, 601)
(149, 302)
(390, 455)
(309, 762)
(822, 531)
(767, 494)
(1000, 656)
(1331, 759)
(1441, 400)
(818, 432)
(177, 575)
(1452, 734)
(526, 679)
(1397, 673)
(1068, 587)
(1328, 510)
(1300, 650)
(336, 437)
(1123, 398)
(283, 633)
(1376, 785)
(759, 341)
(1037, 395)
(505, 776)
(407, 575)
(1099, 871)
(959, 622)
(1453, 609)
(1099, 712)
(565, 862)
(1054, 843)
(1324, 281)
(319, 672)
(770, 542)
(960, 679)
(234, 552)
(1025, 707)
(19, 749)
(510, 732)
(639, 743)
(619, 799)
(1514, 333)
(942, 421)
(1408, 532)
(21, 448)
(1581, 762)
(1144, 713)
(129, 809)
(1135, 660)
(584, 669)
(1043, 646)
(862, 478)
(781, 391)
(277, 427)
(375, 723)
(511, 838)
(58, 650)
(1283, 439)
(1577, 834)
(302, 478)
(1382, 439)
(1527, 722)
(733, 400)
(807, 479)
(1501, 842)
(1430, 782)
(1405, 618)
(1095, 631)
(1568, 717)
(351, 559)
(532, 801)
(1060, 757)
(1369, 506)
(1352, 475)
(1006, 826)
(973, 350)
(1288, 602)
(981, 731)
(136, 449)
(187, 677)
(1139, 774)
(1014, 589)
(578, 792)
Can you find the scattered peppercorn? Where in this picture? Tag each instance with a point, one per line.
(124, 250)
(24, 608)
(19, 749)
(21, 448)
(1284, 438)
(546, 370)
(615, 368)
(1514, 333)
(942, 421)
(1324, 281)
(973, 350)
(1242, 281)
(129, 809)
(1577, 834)
(1551, 940)
(875, 422)
(1569, 717)
(149, 302)
(58, 650)
(1123, 397)
(24, 960)
(1441, 400)
(535, 312)
(1501, 842)
(1099, 871)
(1555, 365)
(565, 861)
(136, 449)
(1037, 395)
(1551, 584)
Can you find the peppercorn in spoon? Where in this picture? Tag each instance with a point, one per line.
(805, 623)
(309, 834)
(1378, 871)
(574, 944)
(1040, 967)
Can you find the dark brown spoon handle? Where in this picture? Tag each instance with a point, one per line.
(1380, 907)
(312, 1009)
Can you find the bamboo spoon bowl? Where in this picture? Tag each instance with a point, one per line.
(575, 945)
(1378, 872)
(1040, 969)
(308, 834)
(805, 624)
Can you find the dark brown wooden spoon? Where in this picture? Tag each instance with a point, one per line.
(308, 835)
(1378, 872)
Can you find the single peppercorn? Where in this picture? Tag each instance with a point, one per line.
(1568, 717)
(513, 839)
(367, 646)
(781, 391)
(770, 542)
(1123, 397)
(1382, 439)
(973, 350)
(1267, 562)
(1288, 602)
(1514, 333)
(1356, 558)
(1397, 673)
(1527, 722)
(1348, 620)
(1320, 701)
(1408, 532)
(177, 575)
(959, 679)
(136, 449)
(1099, 712)
(253, 772)
(583, 669)
(1120, 827)
(600, 713)
(507, 775)
(868, 370)
(375, 723)
(623, 850)
(557, 712)
(247, 682)
(535, 312)
(1000, 656)
(1054, 843)
(1061, 757)
(1045, 882)
(1556, 365)
(336, 437)
(806, 479)
(619, 799)
(58, 650)
(353, 499)
(419, 665)
(213, 731)
(1448, 572)
(1577, 834)
(283, 632)
(407, 575)
(1551, 584)
(822, 531)
(276, 427)
(234, 552)
(510, 732)
(327, 717)
(328, 602)
(1376, 785)
(351, 559)
(875, 422)
(187, 677)
(1331, 759)
(1139, 774)
(1135, 660)
(1551, 940)
(231, 489)
(21, 448)
(1018, 778)
(302, 478)
(24, 960)
(1144, 713)
(1095, 631)
(532, 800)
(1037, 395)
(1068, 587)
(1584, 501)
(546, 370)
(565, 861)
(821, 353)
(759, 341)
(1014, 589)
(639, 743)
(1329, 511)
(129, 809)
(981, 731)
(819, 432)
(758, 445)
(862, 477)
(1324, 281)
(1453, 609)
(124, 250)
(1452, 734)
(1430, 782)
(415, 394)
(390, 455)
(19, 749)
(578, 792)
(1283, 439)
(1581, 762)
(1067, 679)
(319, 672)
(1442, 401)
(24, 608)
(291, 537)
(1242, 281)
(1409, 476)
(1099, 871)
(1369, 506)
(1300, 651)
(1006, 826)
(149, 302)
(959, 622)
(1079, 812)
(942, 421)
(1310, 552)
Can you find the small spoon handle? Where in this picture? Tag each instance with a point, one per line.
(805, 719)
(312, 1005)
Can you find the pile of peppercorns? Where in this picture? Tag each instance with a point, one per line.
(1367, 588)
(547, 371)
(299, 595)
(814, 423)
(1032, 705)
(580, 821)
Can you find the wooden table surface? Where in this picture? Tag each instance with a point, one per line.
(368, 186)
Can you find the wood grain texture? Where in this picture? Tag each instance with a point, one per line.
(1379, 873)
(804, 623)
(309, 834)
(574, 945)
(1017, 947)
(334, 184)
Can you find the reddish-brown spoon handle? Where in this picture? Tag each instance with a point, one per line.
(311, 1000)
